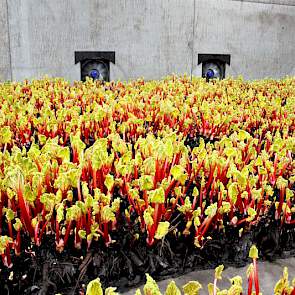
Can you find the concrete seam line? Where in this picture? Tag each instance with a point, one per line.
(259, 2)
(9, 41)
(193, 39)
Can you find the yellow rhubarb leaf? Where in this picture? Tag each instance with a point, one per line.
(253, 253)
(192, 288)
(172, 289)
(151, 287)
(94, 288)
(218, 272)
(162, 230)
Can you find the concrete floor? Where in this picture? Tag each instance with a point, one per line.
(269, 274)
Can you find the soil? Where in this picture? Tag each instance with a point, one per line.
(43, 270)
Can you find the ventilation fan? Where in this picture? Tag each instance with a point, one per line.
(212, 71)
(213, 65)
(95, 64)
(95, 69)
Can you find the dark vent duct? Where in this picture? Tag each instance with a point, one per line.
(213, 65)
(95, 64)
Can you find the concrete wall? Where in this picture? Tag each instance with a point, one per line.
(259, 37)
(151, 38)
(5, 69)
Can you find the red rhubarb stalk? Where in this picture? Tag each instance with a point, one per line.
(250, 283)
(24, 213)
(256, 281)
(68, 230)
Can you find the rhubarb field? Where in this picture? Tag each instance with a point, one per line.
(115, 180)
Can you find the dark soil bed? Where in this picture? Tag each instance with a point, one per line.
(43, 270)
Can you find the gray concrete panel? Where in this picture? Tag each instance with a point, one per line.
(151, 38)
(259, 37)
(5, 71)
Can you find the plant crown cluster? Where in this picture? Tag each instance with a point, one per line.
(82, 161)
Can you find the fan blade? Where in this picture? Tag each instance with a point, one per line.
(103, 71)
(97, 70)
(212, 67)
